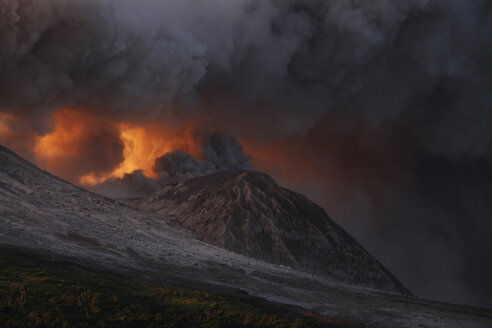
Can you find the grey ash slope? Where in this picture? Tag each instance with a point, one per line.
(248, 213)
(46, 216)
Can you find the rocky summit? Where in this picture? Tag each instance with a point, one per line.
(248, 213)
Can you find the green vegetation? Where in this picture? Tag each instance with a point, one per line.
(38, 294)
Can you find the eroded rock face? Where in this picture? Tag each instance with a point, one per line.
(248, 213)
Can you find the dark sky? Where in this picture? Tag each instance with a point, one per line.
(378, 110)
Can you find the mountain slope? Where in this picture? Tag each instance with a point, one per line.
(61, 295)
(248, 213)
(51, 219)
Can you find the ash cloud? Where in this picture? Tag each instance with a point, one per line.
(80, 145)
(178, 166)
(413, 75)
(279, 65)
(131, 185)
(217, 152)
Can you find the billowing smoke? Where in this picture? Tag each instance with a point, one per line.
(79, 146)
(216, 152)
(131, 185)
(280, 65)
(219, 153)
(381, 110)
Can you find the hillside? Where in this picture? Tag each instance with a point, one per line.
(39, 293)
(248, 213)
(53, 220)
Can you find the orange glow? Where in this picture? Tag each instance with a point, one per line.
(142, 145)
(5, 121)
(69, 151)
(61, 141)
(140, 151)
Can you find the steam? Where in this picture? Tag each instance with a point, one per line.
(217, 152)
(388, 102)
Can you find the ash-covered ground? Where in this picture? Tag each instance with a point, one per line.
(47, 216)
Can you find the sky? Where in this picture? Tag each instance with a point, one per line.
(379, 110)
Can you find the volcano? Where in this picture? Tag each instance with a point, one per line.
(247, 212)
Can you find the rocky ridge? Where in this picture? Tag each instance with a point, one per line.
(248, 213)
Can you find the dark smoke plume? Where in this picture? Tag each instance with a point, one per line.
(131, 185)
(279, 66)
(388, 102)
(217, 153)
